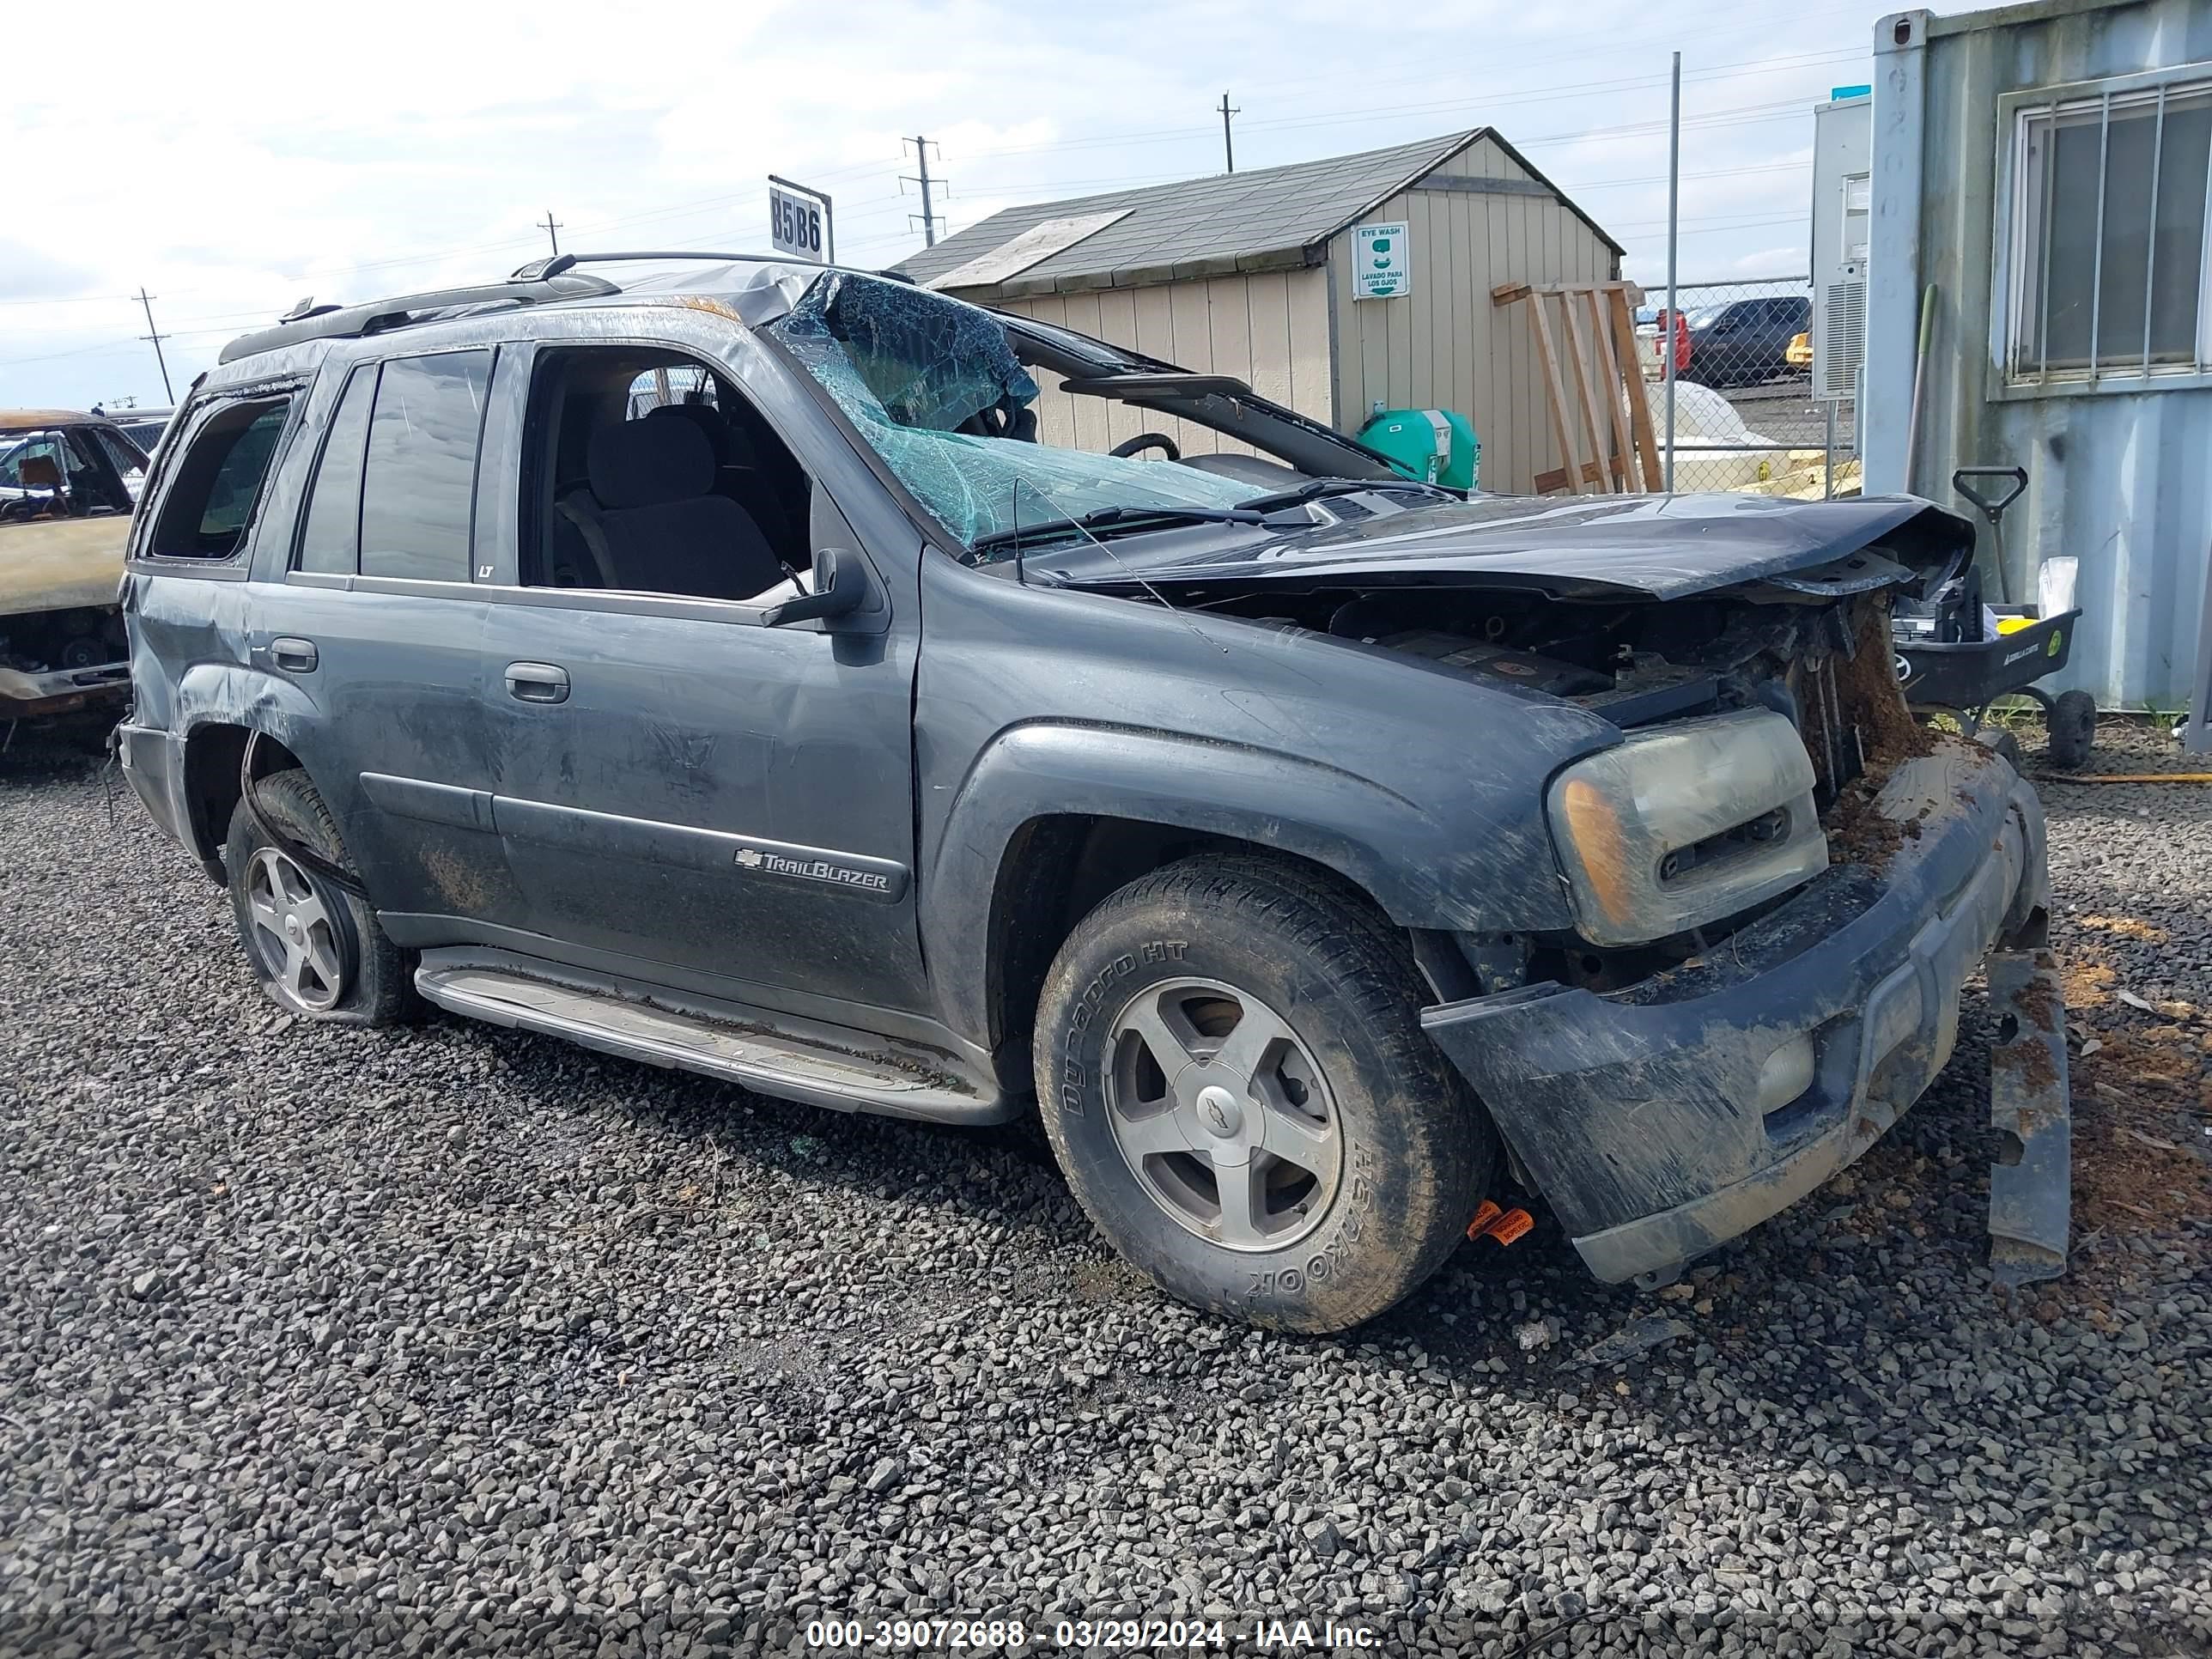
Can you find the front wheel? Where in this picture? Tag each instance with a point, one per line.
(1234, 1081)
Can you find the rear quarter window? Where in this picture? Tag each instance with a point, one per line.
(217, 482)
(329, 531)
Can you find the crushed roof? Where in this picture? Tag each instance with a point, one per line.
(1215, 225)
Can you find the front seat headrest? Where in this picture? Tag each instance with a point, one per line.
(708, 421)
(649, 464)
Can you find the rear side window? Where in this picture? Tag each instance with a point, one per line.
(419, 484)
(127, 459)
(329, 531)
(217, 482)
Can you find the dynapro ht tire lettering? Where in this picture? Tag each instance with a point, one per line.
(1234, 1078)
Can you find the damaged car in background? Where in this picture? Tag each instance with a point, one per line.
(68, 483)
(1320, 852)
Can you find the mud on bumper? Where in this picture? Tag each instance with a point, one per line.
(1635, 1113)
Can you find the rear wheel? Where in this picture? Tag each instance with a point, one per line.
(314, 948)
(2073, 728)
(1237, 1085)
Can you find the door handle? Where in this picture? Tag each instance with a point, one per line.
(294, 655)
(536, 682)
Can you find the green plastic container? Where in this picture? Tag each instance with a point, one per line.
(1432, 445)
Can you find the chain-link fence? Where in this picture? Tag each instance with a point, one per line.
(1746, 413)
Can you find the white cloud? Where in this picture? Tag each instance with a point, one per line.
(233, 158)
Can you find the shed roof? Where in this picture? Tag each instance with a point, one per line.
(1214, 226)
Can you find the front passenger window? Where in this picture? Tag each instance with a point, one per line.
(653, 474)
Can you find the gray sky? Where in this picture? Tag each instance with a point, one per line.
(233, 158)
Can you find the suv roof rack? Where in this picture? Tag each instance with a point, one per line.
(308, 322)
(538, 270)
(554, 265)
(535, 283)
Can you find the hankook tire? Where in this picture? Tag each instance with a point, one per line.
(1234, 1079)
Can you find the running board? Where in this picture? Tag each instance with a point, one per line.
(2031, 1185)
(775, 1054)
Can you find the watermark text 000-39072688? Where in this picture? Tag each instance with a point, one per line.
(1284, 1635)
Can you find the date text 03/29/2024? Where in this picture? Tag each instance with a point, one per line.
(1288, 1636)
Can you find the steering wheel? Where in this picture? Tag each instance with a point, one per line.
(1145, 441)
(1018, 423)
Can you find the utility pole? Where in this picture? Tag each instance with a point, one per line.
(929, 215)
(1228, 148)
(1668, 335)
(552, 226)
(154, 334)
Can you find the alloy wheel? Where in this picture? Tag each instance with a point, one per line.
(1223, 1115)
(293, 931)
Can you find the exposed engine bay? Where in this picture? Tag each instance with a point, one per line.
(1811, 649)
(52, 641)
(1822, 660)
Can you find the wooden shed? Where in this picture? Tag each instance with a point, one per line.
(1258, 273)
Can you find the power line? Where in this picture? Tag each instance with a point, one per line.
(1713, 227)
(932, 222)
(1335, 78)
(156, 335)
(74, 300)
(1719, 71)
(1367, 114)
(1747, 114)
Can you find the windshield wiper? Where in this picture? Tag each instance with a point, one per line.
(1144, 517)
(1319, 488)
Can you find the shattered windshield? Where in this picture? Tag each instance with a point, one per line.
(934, 387)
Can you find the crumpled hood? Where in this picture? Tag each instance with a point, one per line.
(1659, 547)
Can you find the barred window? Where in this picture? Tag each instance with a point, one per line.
(2111, 218)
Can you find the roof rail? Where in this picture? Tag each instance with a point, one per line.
(352, 322)
(559, 263)
(556, 263)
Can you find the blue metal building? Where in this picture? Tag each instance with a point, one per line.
(2046, 168)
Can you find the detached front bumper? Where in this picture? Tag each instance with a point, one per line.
(36, 696)
(1635, 1113)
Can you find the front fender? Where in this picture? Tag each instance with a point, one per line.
(1423, 872)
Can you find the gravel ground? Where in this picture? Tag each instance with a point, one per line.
(457, 1341)
(1784, 411)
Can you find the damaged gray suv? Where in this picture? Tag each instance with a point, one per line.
(794, 676)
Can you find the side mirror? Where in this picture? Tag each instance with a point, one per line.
(840, 589)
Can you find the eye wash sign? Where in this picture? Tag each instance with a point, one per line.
(1381, 269)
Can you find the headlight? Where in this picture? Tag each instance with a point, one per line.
(1685, 824)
